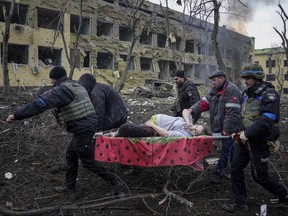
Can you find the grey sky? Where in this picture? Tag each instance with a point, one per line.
(256, 21)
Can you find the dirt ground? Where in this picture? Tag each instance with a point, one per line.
(33, 151)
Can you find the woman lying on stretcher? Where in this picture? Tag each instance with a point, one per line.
(162, 125)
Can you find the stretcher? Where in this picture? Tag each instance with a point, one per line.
(154, 151)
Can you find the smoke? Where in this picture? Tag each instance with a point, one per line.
(239, 15)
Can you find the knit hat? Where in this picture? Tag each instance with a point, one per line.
(179, 73)
(57, 72)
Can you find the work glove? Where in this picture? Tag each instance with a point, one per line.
(243, 136)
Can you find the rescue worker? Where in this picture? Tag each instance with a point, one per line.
(260, 113)
(75, 112)
(223, 102)
(187, 94)
(111, 111)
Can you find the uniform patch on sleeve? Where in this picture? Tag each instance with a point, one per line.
(271, 96)
(189, 93)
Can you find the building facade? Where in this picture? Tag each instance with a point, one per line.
(44, 33)
(274, 64)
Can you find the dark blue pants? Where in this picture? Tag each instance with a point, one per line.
(81, 147)
(225, 155)
(260, 154)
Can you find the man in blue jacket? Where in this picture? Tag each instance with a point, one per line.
(74, 111)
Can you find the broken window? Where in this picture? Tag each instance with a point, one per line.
(104, 29)
(189, 69)
(86, 59)
(131, 65)
(146, 38)
(125, 34)
(47, 18)
(74, 24)
(19, 14)
(178, 43)
(189, 46)
(18, 54)
(161, 40)
(49, 57)
(167, 68)
(271, 62)
(146, 64)
(105, 61)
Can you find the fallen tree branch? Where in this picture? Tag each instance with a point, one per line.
(178, 198)
(6, 211)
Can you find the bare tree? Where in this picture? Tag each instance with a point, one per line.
(6, 37)
(71, 57)
(214, 34)
(136, 28)
(283, 33)
(279, 57)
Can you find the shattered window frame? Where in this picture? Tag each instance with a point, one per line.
(20, 13)
(190, 46)
(107, 57)
(105, 27)
(161, 40)
(145, 38)
(144, 61)
(125, 34)
(87, 59)
(49, 16)
(49, 57)
(85, 28)
(18, 56)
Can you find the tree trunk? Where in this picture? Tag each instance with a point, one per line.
(6, 36)
(214, 36)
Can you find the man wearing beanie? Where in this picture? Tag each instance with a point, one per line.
(74, 111)
(111, 111)
(187, 94)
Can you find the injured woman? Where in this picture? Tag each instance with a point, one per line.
(162, 125)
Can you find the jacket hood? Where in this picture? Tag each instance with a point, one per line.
(88, 81)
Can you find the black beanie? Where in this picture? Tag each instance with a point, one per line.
(179, 73)
(57, 72)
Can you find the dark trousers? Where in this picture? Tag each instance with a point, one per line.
(259, 172)
(81, 147)
(133, 130)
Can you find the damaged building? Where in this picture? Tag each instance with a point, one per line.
(106, 38)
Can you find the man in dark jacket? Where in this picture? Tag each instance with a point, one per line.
(260, 111)
(187, 95)
(111, 111)
(75, 112)
(223, 102)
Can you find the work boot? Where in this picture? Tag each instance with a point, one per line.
(234, 207)
(64, 189)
